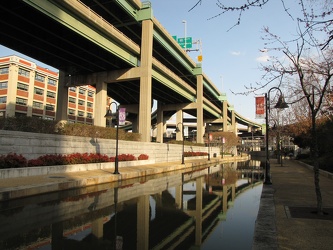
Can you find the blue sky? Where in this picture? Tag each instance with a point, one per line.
(231, 57)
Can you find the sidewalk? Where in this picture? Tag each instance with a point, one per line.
(286, 218)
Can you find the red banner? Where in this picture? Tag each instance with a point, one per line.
(260, 107)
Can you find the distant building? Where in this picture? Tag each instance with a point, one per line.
(30, 90)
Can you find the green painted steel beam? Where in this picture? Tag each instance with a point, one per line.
(172, 51)
(130, 9)
(165, 81)
(55, 12)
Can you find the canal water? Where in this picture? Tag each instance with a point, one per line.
(213, 207)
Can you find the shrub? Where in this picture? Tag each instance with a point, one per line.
(13, 160)
(143, 157)
(190, 153)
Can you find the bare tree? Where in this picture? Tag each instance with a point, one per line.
(310, 70)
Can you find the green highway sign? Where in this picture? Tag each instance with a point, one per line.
(182, 41)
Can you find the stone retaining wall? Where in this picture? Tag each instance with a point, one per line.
(33, 145)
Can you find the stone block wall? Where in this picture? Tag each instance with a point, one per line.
(33, 145)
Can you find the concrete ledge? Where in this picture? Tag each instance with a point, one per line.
(45, 170)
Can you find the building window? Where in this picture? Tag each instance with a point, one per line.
(72, 89)
(39, 78)
(89, 115)
(3, 99)
(21, 101)
(37, 105)
(90, 94)
(71, 111)
(51, 94)
(4, 70)
(72, 99)
(89, 104)
(81, 102)
(3, 85)
(38, 91)
(80, 113)
(49, 107)
(22, 86)
(82, 91)
(52, 82)
(24, 72)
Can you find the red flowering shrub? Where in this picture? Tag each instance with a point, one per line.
(123, 157)
(190, 153)
(143, 157)
(18, 161)
(13, 160)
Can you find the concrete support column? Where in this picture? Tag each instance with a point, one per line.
(97, 228)
(62, 99)
(179, 118)
(198, 212)
(200, 122)
(100, 103)
(233, 122)
(225, 116)
(146, 80)
(143, 222)
(160, 123)
(179, 196)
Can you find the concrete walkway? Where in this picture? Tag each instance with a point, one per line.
(287, 218)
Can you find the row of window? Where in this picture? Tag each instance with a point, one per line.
(79, 113)
(80, 102)
(39, 105)
(81, 91)
(26, 73)
(37, 91)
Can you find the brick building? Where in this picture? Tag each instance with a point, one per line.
(30, 90)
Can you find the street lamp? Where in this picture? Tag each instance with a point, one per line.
(178, 130)
(109, 115)
(281, 104)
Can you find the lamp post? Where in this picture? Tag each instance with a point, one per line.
(184, 22)
(281, 104)
(178, 130)
(109, 116)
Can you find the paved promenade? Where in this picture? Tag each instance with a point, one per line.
(286, 218)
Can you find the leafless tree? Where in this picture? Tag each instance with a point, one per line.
(308, 69)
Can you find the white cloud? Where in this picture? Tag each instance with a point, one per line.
(235, 53)
(264, 57)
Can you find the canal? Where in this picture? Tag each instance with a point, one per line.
(212, 207)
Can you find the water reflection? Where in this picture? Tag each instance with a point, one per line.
(179, 210)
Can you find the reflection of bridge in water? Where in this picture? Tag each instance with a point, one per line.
(174, 210)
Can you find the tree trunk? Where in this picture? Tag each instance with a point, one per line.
(314, 153)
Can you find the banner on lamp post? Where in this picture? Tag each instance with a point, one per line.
(260, 107)
(122, 116)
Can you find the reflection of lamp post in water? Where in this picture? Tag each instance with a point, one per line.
(109, 115)
(178, 130)
(281, 104)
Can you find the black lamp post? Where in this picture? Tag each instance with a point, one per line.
(281, 104)
(178, 130)
(109, 116)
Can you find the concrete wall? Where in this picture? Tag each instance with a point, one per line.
(33, 145)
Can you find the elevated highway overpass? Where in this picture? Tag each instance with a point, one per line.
(120, 48)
